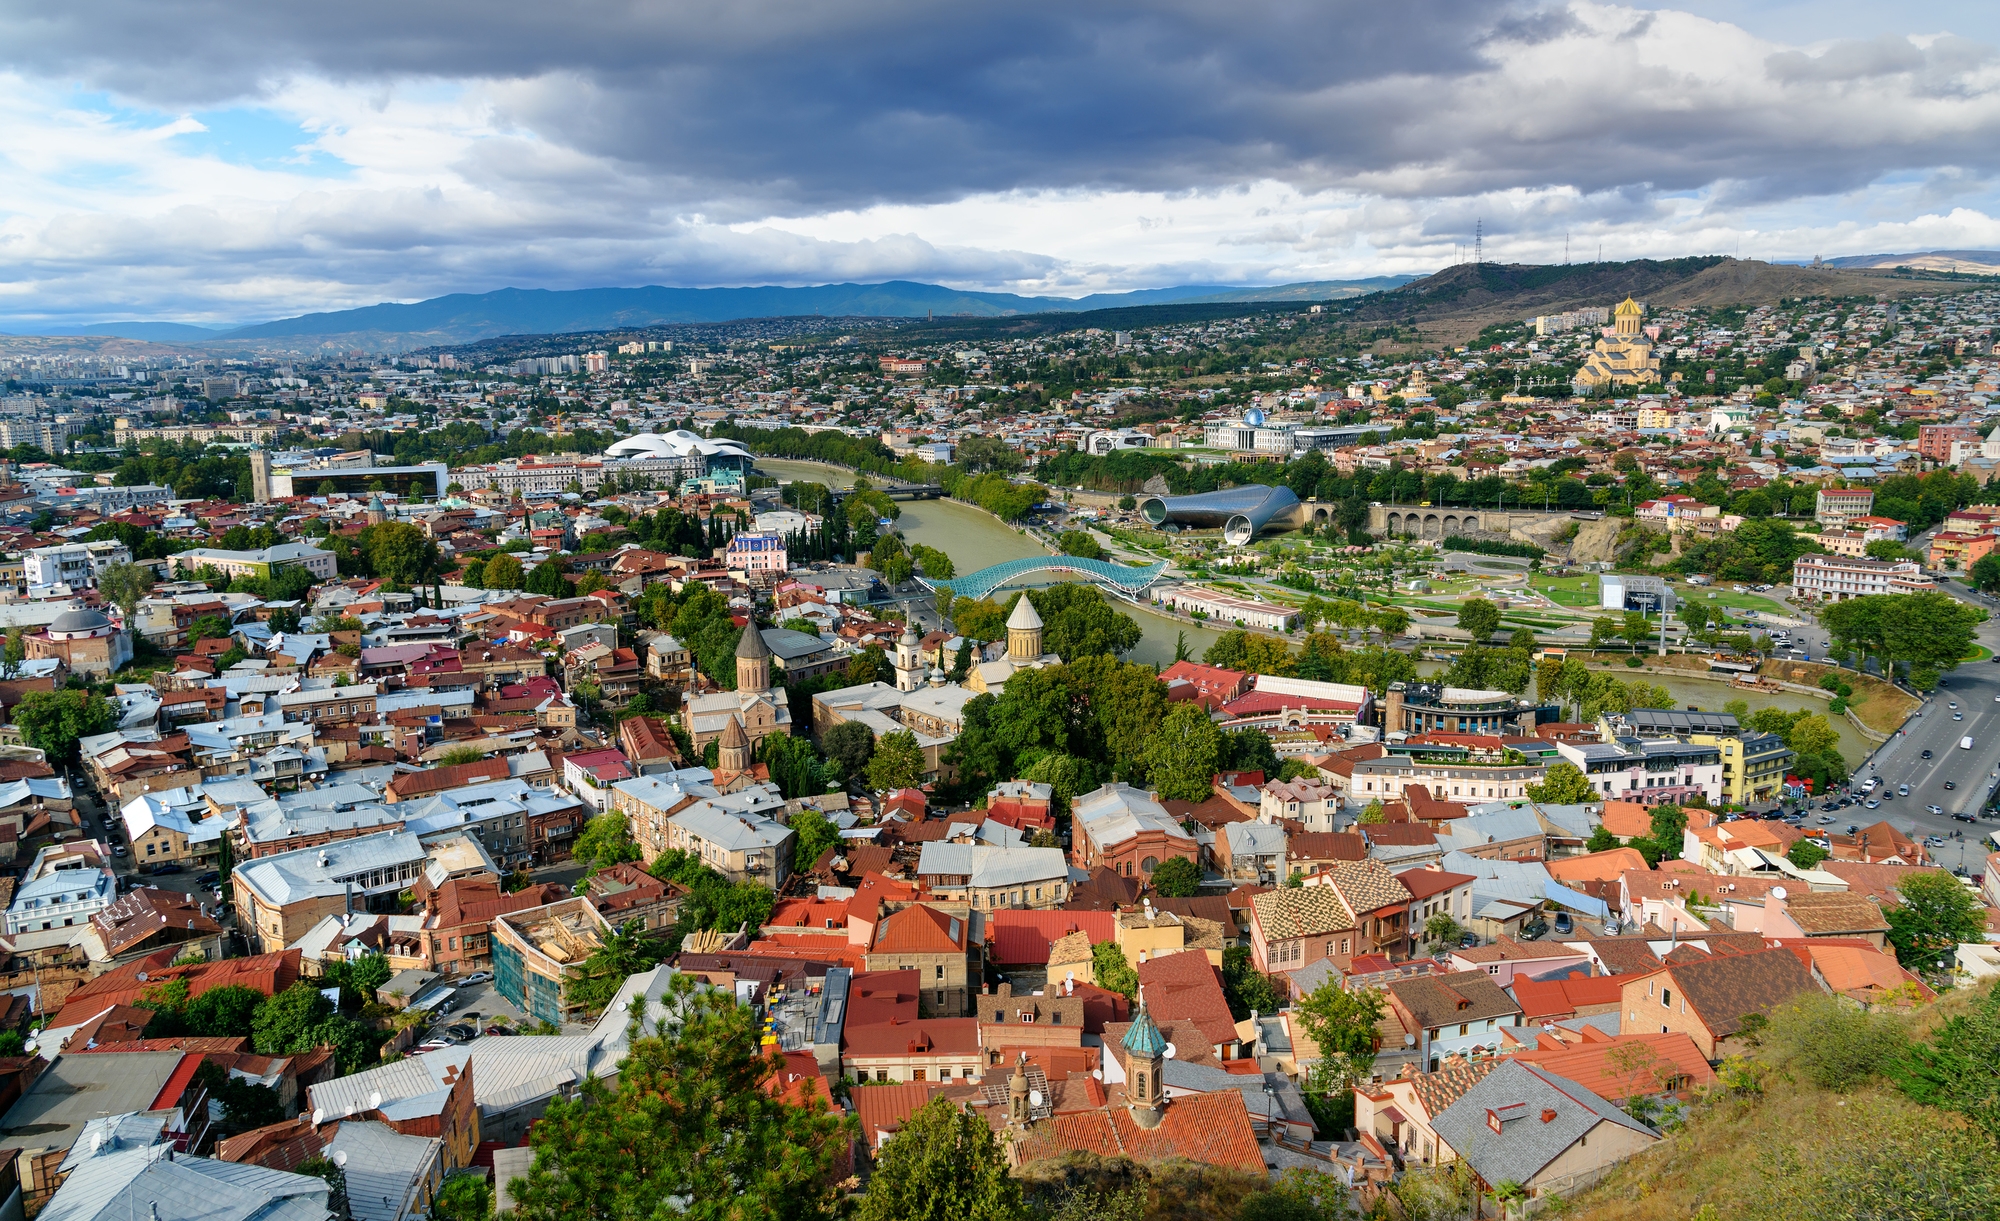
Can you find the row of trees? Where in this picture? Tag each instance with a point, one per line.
(1916, 635)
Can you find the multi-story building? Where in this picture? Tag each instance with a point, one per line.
(1934, 440)
(281, 896)
(264, 562)
(1836, 506)
(1836, 578)
(1958, 552)
(50, 436)
(1222, 608)
(989, 877)
(74, 564)
(934, 942)
(66, 885)
(1436, 708)
(1655, 772)
(535, 951)
(759, 557)
(742, 845)
(1128, 831)
(1753, 764)
(1357, 907)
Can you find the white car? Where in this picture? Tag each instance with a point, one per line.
(477, 977)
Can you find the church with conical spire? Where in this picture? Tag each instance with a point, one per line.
(754, 709)
(1024, 651)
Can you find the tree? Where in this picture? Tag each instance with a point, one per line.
(1441, 929)
(52, 721)
(549, 580)
(282, 1022)
(1181, 758)
(1177, 877)
(502, 571)
(464, 1197)
(1601, 840)
(322, 1167)
(1958, 1069)
(943, 1165)
(848, 746)
(1110, 970)
(1806, 853)
(816, 833)
(1563, 784)
(1603, 629)
(1080, 543)
(1244, 986)
(208, 627)
(123, 585)
(692, 1118)
(1339, 1021)
(1373, 813)
(898, 762)
(1811, 735)
(604, 842)
(1636, 629)
(227, 1012)
(623, 952)
(892, 559)
(1985, 573)
(1479, 617)
(1935, 915)
(1523, 641)
(401, 553)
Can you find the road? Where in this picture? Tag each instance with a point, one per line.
(1975, 690)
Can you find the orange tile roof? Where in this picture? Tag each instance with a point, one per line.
(920, 929)
(883, 1108)
(1614, 1070)
(1596, 866)
(1626, 819)
(1213, 1129)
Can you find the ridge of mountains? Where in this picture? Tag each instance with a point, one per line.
(469, 317)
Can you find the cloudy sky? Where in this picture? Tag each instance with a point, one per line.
(235, 160)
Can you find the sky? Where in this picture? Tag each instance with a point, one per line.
(219, 161)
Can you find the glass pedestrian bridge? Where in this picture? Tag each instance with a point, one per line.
(1123, 579)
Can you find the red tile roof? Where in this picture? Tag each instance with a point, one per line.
(1187, 987)
(1565, 998)
(883, 1108)
(926, 1036)
(1022, 938)
(267, 973)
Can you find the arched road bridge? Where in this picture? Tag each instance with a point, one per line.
(1122, 578)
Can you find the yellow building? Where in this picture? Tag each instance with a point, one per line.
(1623, 358)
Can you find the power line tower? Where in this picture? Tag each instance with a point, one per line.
(1479, 241)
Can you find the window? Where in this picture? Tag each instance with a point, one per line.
(1149, 864)
(940, 971)
(1465, 1028)
(1666, 998)
(881, 1074)
(916, 1074)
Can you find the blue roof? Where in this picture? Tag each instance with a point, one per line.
(1144, 1038)
(979, 584)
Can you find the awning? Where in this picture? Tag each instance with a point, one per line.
(1576, 900)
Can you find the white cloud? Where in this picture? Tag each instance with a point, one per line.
(1032, 149)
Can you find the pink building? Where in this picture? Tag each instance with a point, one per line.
(757, 555)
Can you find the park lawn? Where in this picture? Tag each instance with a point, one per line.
(1878, 705)
(1730, 598)
(1979, 653)
(1567, 591)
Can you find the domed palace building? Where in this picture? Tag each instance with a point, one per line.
(85, 640)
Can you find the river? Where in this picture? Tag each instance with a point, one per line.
(974, 539)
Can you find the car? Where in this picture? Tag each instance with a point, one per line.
(1951, 784)
(1962, 816)
(1933, 841)
(1958, 716)
(1926, 754)
(462, 1032)
(430, 1045)
(118, 850)
(1563, 923)
(1934, 808)
(477, 977)
(167, 867)
(1951, 703)
(1467, 941)
(1825, 819)
(1872, 804)
(1852, 828)
(1902, 790)
(497, 1029)
(210, 878)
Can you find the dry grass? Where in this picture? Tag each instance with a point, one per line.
(1880, 706)
(1728, 1160)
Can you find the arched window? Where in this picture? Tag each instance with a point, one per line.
(1149, 864)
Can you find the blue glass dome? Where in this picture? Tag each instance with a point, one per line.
(1254, 417)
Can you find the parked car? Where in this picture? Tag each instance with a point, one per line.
(1563, 923)
(211, 878)
(1962, 816)
(1873, 805)
(498, 1029)
(477, 977)
(462, 1032)
(1902, 790)
(166, 867)
(118, 850)
(1467, 941)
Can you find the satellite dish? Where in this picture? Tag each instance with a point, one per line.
(319, 1116)
(1097, 1074)
(1409, 1040)
(375, 1100)
(1171, 1052)
(1034, 1098)
(1777, 892)
(340, 1158)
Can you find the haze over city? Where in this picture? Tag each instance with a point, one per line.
(224, 163)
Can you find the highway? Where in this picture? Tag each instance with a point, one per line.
(1975, 690)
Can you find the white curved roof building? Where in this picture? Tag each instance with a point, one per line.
(676, 444)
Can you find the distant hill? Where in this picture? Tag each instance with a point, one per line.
(1975, 262)
(1453, 305)
(151, 332)
(466, 317)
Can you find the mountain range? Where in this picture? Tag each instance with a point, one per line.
(467, 317)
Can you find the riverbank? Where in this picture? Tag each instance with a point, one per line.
(975, 539)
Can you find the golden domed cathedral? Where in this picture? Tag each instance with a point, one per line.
(1622, 358)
